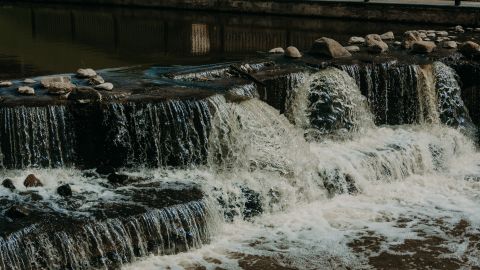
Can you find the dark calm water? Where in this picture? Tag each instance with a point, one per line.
(43, 39)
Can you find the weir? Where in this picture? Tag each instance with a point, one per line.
(158, 165)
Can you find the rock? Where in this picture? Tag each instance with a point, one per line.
(459, 29)
(5, 84)
(242, 93)
(469, 48)
(116, 178)
(32, 181)
(449, 45)
(375, 44)
(387, 36)
(58, 85)
(105, 170)
(397, 43)
(423, 47)
(95, 80)
(476, 29)
(431, 35)
(442, 33)
(409, 38)
(64, 190)
(86, 73)
(26, 90)
(329, 47)
(356, 40)
(29, 81)
(292, 52)
(8, 183)
(85, 93)
(34, 196)
(352, 49)
(422, 35)
(104, 86)
(277, 50)
(16, 212)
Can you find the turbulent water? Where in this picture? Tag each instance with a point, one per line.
(319, 187)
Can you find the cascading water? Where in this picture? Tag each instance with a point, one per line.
(318, 187)
(36, 136)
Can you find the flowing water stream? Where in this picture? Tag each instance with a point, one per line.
(333, 183)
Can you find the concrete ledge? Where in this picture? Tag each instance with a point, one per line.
(414, 13)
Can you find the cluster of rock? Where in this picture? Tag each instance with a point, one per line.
(63, 85)
(416, 41)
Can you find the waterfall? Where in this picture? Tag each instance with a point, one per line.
(36, 136)
(171, 133)
(110, 243)
(328, 103)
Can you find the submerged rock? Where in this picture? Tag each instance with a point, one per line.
(387, 36)
(292, 52)
(6, 84)
(8, 183)
(17, 211)
(469, 48)
(32, 181)
(26, 90)
(375, 44)
(116, 178)
(85, 93)
(356, 40)
(29, 81)
(58, 85)
(64, 190)
(104, 86)
(278, 50)
(423, 46)
(329, 47)
(86, 73)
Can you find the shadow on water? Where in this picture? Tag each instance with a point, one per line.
(43, 39)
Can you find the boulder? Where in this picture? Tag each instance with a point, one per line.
(16, 212)
(292, 52)
(26, 90)
(29, 81)
(431, 35)
(459, 29)
(95, 80)
(423, 46)
(469, 48)
(356, 40)
(422, 35)
(32, 181)
(8, 183)
(329, 47)
(116, 178)
(278, 50)
(85, 93)
(64, 190)
(442, 33)
(86, 73)
(387, 36)
(352, 49)
(409, 38)
(375, 44)
(104, 86)
(6, 84)
(450, 45)
(58, 85)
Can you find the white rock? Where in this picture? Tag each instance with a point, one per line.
(459, 29)
(356, 40)
(104, 86)
(442, 33)
(26, 90)
(450, 45)
(388, 36)
(277, 50)
(352, 49)
(292, 52)
(6, 84)
(58, 85)
(86, 73)
(431, 35)
(97, 79)
(29, 81)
